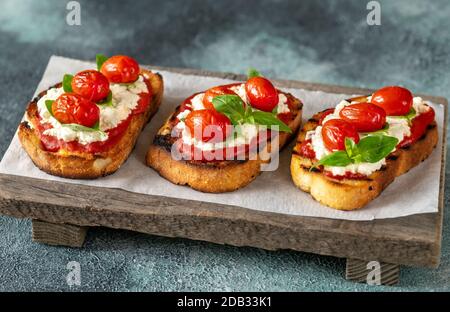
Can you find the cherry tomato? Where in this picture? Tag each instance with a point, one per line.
(418, 127)
(213, 92)
(208, 125)
(120, 69)
(73, 108)
(324, 114)
(91, 85)
(334, 132)
(261, 93)
(365, 117)
(396, 101)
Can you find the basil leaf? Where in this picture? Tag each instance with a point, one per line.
(77, 127)
(100, 59)
(253, 73)
(374, 148)
(67, 83)
(107, 101)
(336, 159)
(269, 119)
(231, 106)
(49, 104)
(384, 130)
(351, 147)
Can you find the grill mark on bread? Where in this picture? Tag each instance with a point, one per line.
(392, 157)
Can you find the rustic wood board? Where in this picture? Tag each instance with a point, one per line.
(413, 240)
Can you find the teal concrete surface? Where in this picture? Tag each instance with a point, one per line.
(319, 41)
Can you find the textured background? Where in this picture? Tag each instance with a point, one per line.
(326, 41)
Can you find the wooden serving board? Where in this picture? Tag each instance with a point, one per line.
(62, 212)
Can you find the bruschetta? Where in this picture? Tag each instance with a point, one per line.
(218, 140)
(345, 156)
(86, 126)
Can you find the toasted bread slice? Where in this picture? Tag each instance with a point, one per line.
(211, 177)
(85, 165)
(352, 194)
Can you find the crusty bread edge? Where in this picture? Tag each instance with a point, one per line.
(352, 194)
(95, 166)
(207, 177)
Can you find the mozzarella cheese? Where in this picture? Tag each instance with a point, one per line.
(398, 128)
(125, 98)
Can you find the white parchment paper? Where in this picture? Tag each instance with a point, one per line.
(412, 193)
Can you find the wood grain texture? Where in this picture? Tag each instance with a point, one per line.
(359, 270)
(413, 240)
(58, 234)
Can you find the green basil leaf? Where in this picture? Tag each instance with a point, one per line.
(336, 159)
(374, 148)
(231, 106)
(107, 101)
(77, 127)
(49, 104)
(350, 147)
(269, 119)
(253, 73)
(384, 131)
(100, 58)
(67, 83)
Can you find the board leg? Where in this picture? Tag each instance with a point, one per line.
(372, 272)
(58, 234)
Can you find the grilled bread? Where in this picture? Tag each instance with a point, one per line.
(80, 165)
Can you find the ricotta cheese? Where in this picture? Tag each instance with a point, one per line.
(125, 98)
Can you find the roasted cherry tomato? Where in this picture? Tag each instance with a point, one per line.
(334, 132)
(419, 127)
(261, 93)
(91, 85)
(365, 117)
(120, 69)
(73, 108)
(213, 92)
(396, 101)
(208, 125)
(324, 114)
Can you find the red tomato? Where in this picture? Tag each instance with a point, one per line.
(213, 92)
(418, 127)
(334, 132)
(324, 114)
(208, 125)
(120, 69)
(396, 101)
(91, 85)
(73, 108)
(261, 93)
(365, 117)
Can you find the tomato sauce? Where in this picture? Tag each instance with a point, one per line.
(418, 127)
